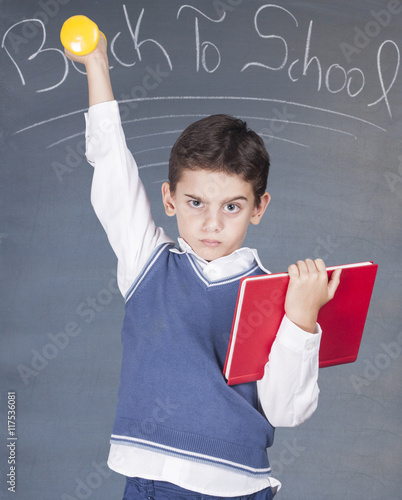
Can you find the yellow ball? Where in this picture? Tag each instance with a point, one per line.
(80, 35)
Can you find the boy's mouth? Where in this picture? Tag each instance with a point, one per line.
(211, 243)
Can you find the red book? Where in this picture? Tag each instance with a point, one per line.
(260, 309)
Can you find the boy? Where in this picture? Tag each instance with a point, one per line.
(180, 431)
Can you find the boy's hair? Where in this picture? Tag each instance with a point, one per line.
(221, 143)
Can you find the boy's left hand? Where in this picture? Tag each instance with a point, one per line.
(308, 291)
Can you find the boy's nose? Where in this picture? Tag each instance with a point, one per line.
(212, 223)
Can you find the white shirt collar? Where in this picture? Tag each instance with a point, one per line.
(237, 262)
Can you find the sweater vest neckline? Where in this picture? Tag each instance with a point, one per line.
(206, 283)
(190, 262)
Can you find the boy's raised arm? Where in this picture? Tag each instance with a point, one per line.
(118, 195)
(97, 67)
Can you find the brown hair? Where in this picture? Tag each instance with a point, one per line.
(221, 143)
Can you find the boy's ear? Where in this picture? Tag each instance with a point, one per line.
(259, 210)
(168, 200)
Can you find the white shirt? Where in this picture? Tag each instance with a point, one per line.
(288, 392)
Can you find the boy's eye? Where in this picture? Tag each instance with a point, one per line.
(195, 203)
(232, 208)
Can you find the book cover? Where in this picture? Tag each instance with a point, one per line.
(260, 309)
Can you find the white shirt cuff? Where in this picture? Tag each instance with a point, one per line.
(296, 339)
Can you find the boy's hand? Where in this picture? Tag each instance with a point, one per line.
(99, 53)
(97, 68)
(308, 291)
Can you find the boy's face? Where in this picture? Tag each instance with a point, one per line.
(213, 211)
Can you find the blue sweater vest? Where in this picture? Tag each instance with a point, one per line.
(173, 397)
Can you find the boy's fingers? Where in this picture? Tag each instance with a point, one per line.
(302, 267)
(334, 282)
(307, 266)
(293, 271)
(320, 265)
(102, 40)
(310, 266)
(72, 56)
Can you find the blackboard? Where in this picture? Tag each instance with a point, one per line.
(321, 83)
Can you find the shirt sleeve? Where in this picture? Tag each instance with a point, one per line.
(288, 391)
(118, 195)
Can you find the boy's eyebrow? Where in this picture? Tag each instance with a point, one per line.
(228, 200)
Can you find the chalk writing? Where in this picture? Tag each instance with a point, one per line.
(135, 38)
(273, 37)
(15, 43)
(219, 98)
(385, 92)
(201, 48)
(297, 69)
(334, 78)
